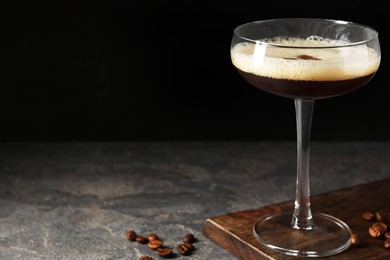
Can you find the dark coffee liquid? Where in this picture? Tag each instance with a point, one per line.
(305, 89)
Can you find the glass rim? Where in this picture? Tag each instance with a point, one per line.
(375, 33)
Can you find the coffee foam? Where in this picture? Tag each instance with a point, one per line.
(331, 64)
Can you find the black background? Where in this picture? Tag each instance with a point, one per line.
(161, 70)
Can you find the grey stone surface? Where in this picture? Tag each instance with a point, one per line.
(76, 200)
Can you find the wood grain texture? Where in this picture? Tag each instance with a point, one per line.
(233, 231)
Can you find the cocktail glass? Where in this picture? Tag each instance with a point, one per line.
(305, 59)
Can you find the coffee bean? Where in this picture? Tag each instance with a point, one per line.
(307, 57)
(131, 235)
(164, 252)
(387, 244)
(145, 258)
(378, 216)
(355, 240)
(183, 249)
(152, 236)
(189, 238)
(154, 244)
(374, 232)
(368, 215)
(377, 229)
(141, 239)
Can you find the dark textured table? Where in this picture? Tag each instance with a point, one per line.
(76, 200)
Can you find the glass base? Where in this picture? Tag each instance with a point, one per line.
(328, 236)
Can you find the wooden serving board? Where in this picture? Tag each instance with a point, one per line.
(233, 231)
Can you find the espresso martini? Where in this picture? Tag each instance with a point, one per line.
(309, 68)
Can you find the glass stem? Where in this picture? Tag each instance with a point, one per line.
(302, 217)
